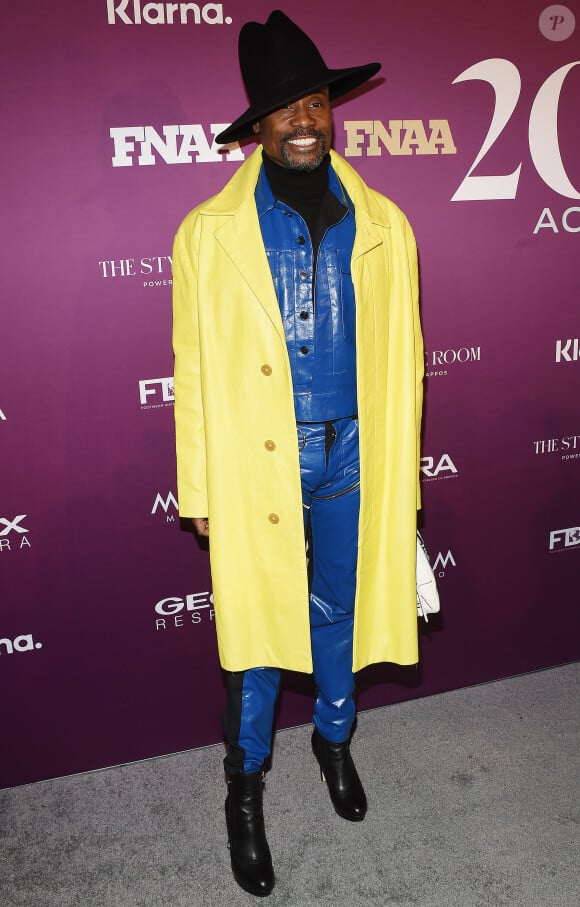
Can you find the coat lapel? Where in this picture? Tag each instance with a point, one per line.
(239, 235)
(370, 217)
(367, 236)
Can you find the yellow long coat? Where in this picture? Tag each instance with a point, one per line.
(233, 397)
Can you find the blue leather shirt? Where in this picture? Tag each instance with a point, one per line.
(318, 309)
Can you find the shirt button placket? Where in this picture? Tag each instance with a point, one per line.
(304, 328)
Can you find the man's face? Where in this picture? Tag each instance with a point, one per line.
(299, 134)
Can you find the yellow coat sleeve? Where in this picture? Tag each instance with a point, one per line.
(189, 418)
(419, 350)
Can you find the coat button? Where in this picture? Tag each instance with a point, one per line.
(300, 240)
(274, 518)
(303, 350)
(304, 315)
(266, 369)
(303, 275)
(270, 445)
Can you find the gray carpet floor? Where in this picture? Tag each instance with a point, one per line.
(473, 802)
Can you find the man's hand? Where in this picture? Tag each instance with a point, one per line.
(201, 525)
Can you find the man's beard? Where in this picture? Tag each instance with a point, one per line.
(306, 165)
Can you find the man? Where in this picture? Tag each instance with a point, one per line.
(298, 391)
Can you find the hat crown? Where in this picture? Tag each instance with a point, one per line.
(272, 54)
(280, 63)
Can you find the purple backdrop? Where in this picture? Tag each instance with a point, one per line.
(107, 650)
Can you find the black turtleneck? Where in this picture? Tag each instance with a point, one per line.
(307, 192)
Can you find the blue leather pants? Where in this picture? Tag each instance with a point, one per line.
(329, 467)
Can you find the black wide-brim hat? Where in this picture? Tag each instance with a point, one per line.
(279, 63)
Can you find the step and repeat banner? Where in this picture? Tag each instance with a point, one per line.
(107, 638)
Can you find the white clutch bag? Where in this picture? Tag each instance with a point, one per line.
(427, 594)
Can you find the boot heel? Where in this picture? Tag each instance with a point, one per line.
(338, 770)
(249, 852)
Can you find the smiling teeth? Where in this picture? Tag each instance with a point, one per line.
(303, 143)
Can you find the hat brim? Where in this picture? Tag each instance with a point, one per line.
(339, 82)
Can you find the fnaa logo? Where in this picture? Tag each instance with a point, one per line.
(19, 644)
(568, 350)
(401, 137)
(443, 468)
(165, 13)
(160, 390)
(183, 144)
(562, 539)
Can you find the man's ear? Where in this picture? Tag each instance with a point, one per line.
(256, 128)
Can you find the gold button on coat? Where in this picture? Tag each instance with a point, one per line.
(266, 369)
(270, 445)
(274, 518)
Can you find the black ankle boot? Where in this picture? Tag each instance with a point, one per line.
(249, 851)
(344, 785)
